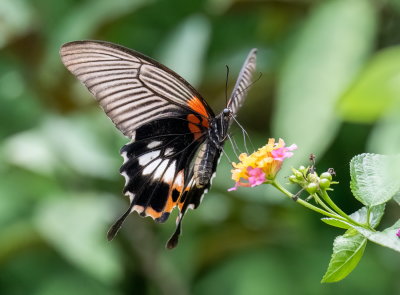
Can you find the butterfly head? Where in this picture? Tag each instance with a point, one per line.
(226, 114)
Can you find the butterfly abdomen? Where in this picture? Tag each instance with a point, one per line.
(204, 164)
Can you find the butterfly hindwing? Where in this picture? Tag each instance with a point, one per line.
(158, 165)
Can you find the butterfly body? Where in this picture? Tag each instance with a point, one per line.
(176, 140)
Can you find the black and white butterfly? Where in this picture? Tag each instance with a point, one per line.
(176, 139)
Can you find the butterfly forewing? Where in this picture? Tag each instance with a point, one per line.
(131, 88)
(243, 82)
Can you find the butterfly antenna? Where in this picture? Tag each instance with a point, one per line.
(234, 145)
(226, 155)
(226, 84)
(244, 133)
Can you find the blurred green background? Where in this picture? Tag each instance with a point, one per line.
(330, 83)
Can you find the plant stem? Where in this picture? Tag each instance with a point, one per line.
(322, 204)
(304, 203)
(339, 211)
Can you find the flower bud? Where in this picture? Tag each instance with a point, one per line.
(324, 183)
(312, 188)
(297, 174)
(326, 175)
(293, 179)
(303, 169)
(312, 177)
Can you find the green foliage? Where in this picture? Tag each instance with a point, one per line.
(328, 52)
(376, 90)
(374, 180)
(348, 249)
(324, 63)
(373, 184)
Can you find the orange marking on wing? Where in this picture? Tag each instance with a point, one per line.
(178, 186)
(204, 122)
(153, 213)
(195, 130)
(196, 105)
(193, 119)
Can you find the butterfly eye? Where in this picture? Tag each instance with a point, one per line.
(227, 112)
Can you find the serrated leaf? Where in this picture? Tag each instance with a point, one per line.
(375, 216)
(334, 42)
(373, 178)
(336, 223)
(397, 198)
(347, 252)
(386, 238)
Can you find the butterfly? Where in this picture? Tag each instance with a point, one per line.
(176, 139)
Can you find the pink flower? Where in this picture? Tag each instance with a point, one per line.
(282, 153)
(398, 233)
(261, 166)
(256, 176)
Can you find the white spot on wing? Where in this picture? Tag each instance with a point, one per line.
(137, 208)
(154, 144)
(125, 176)
(130, 195)
(170, 173)
(169, 151)
(123, 154)
(151, 167)
(191, 206)
(179, 179)
(133, 136)
(146, 158)
(160, 170)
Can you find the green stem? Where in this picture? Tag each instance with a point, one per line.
(322, 204)
(339, 211)
(304, 203)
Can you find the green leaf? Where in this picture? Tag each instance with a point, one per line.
(373, 178)
(397, 198)
(335, 222)
(327, 55)
(347, 252)
(376, 90)
(375, 217)
(386, 238)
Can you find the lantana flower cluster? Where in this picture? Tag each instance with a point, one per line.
(262, 165)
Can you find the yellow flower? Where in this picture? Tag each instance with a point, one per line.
(262, 165)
